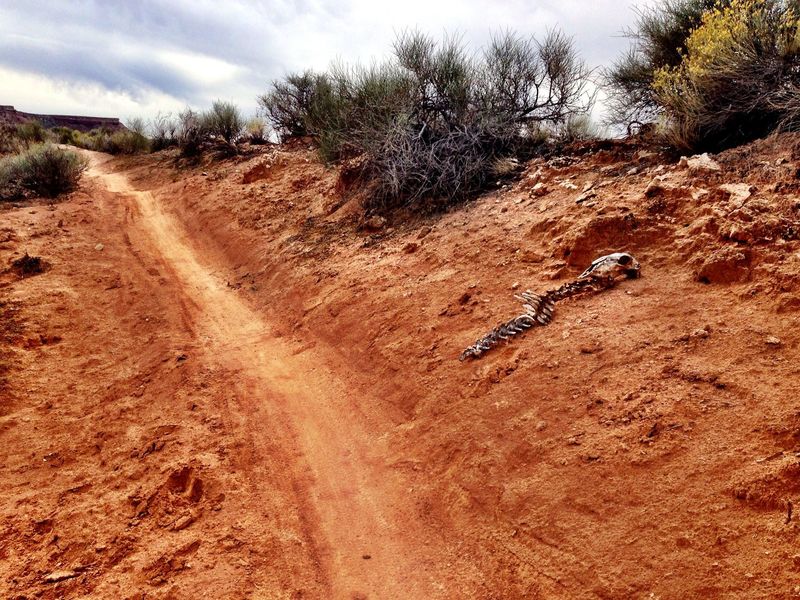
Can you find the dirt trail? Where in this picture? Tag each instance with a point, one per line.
(367, 546)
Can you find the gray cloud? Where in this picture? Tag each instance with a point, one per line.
(177, 52)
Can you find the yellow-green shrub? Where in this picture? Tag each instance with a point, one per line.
(737, 63)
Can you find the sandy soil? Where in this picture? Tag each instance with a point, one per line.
(224, 385)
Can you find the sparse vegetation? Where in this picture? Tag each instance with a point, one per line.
(163, 132)
(713, 74)
(43, 169)
(658, 41)
(224, 121)
(432, 121)
(192, 133)
(256, 131)
(288, 104)
(32, 132)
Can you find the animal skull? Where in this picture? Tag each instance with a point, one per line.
(618, 265)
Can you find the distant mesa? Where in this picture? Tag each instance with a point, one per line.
(8, 114)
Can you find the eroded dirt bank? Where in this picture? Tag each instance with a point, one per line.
(245, 394)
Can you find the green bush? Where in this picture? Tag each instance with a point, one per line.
(712, 74)
(434, 119)
(10, 186)
(192, 133)
(65, 135)
(224, 121)
(256, 131)
(9, 142)
(32, 132)
(288, 103)
(658, 40)
(738, 78)
(43, 169)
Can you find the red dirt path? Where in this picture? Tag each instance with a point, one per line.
(242, 394)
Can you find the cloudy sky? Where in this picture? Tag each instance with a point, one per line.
(138, 57)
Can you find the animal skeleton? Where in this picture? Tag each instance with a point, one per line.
(602, 274)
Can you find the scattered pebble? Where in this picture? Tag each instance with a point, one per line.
(773, 341)
(99, 247)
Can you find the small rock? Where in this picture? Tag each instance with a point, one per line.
(539, 189)
(632, 171)
(541, 425)
(99, 247)
(537, 176)
(423, 232)
(515, 285)
(643, 154)
(738, 193)
(657, 187)
(699, 162)
(700, 333)
(585, 196)
(726, 265)
(375, 223)
(529, 256)
(183, 522)
(568, 185)
(773, 341)
(410, 247)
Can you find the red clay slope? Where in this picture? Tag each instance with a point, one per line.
(250, 337)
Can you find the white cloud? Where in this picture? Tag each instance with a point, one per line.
(36, 93)
(126, 58)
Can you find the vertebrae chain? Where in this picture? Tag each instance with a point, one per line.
(538, 311)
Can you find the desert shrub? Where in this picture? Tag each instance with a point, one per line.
(10, 186)
(9, 142)
(192, 132)
(31, 132)
(288, 104)
(163, 132)
(577, 128)
(712, 73)
(66, 135)
(738, 65)
(125, 141)
(256, 131)
(433, 120)
(658, 41)
(43, 169)
(224, 121)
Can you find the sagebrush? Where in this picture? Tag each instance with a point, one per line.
(44, 169)
(433, 120)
